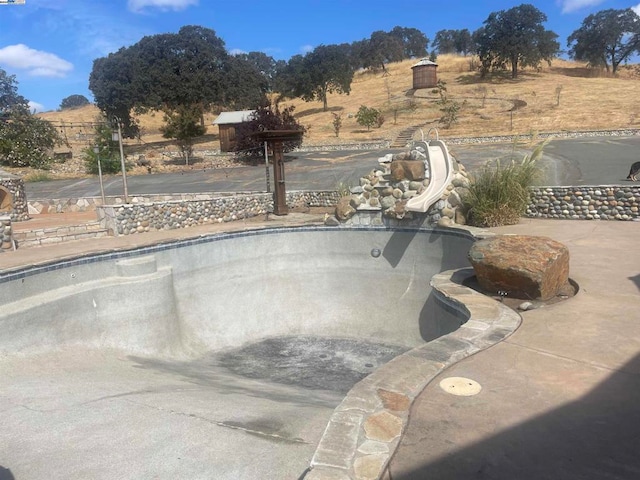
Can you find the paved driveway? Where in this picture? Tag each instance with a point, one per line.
(577, 161)
(581, 161)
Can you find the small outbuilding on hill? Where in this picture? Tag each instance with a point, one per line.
(227, 123)
(425, 74)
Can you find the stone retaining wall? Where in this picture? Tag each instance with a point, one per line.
(6, 234)
(14, 186)
(90, 204)
(629, 132)
(47, 236)
(607, 202)
(181, 213)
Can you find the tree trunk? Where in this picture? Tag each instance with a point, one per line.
(514, 69)
(323, 96)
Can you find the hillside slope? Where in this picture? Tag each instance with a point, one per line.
(565, 96)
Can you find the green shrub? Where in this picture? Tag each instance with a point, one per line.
(26, 140)
(499, 194)
(108, 150)
(368, 117)
(450, 113)
(337, 123)
(109, 163)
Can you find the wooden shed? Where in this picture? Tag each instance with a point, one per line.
(425, 74)
(227, 123)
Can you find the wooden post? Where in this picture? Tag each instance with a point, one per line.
(276, 139)
(280, 193)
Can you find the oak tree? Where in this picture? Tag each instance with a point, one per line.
(9, 96)
(327, 69)
(606, 38)
(25, 140)
(515, 37)
(168, 71)
(73, 101)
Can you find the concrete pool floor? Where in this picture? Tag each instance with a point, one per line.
(560, 398)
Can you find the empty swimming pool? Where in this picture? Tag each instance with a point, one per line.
(216, 357)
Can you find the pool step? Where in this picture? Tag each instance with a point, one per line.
(135, 267)
(47, 236)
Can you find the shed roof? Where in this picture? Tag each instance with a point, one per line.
(239, 116)
(424, 62)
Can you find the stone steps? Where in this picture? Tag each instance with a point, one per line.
(47, 236)
(405, 136)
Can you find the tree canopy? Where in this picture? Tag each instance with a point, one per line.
(108, 150)
(25, 140)
(171, 70)
(606, 39)
(381, 48)
(243, 84)
(368, 116)
(183, 125)
(385, 47)
(414, 42)
(453, 41)
(267, 116)
(9, 96)
(326, 69)
(266, 65)
(515, 37)
(73, 101)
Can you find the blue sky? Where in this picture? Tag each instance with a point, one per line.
(50, 45)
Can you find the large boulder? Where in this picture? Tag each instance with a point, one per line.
(407, 170)
(527, 267)
(345, 209)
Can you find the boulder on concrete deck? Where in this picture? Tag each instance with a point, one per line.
(522, 266)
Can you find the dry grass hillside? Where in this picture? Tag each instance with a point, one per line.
(565, 96)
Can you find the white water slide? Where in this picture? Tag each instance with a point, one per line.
(441, 171)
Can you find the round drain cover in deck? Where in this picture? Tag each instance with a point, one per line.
(463, 387)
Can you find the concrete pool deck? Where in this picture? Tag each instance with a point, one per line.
(560, 398)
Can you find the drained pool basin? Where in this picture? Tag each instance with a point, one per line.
(212, 293)
(228, 356)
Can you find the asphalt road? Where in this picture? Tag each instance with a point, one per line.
(578, 161)
(581, 161)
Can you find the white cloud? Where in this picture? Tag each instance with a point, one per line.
(236, 51)
(569, 6)
(306, 48)
(36, 107)
(139, 5)
(636, 9)
(37, 63)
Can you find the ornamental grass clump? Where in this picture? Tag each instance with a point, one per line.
(499, 194)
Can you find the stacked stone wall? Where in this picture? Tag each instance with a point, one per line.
(6, 234)
(19, 211)
(585, 203)
(132, 218)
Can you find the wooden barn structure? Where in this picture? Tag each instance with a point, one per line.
(425, 74)
(227, 123)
